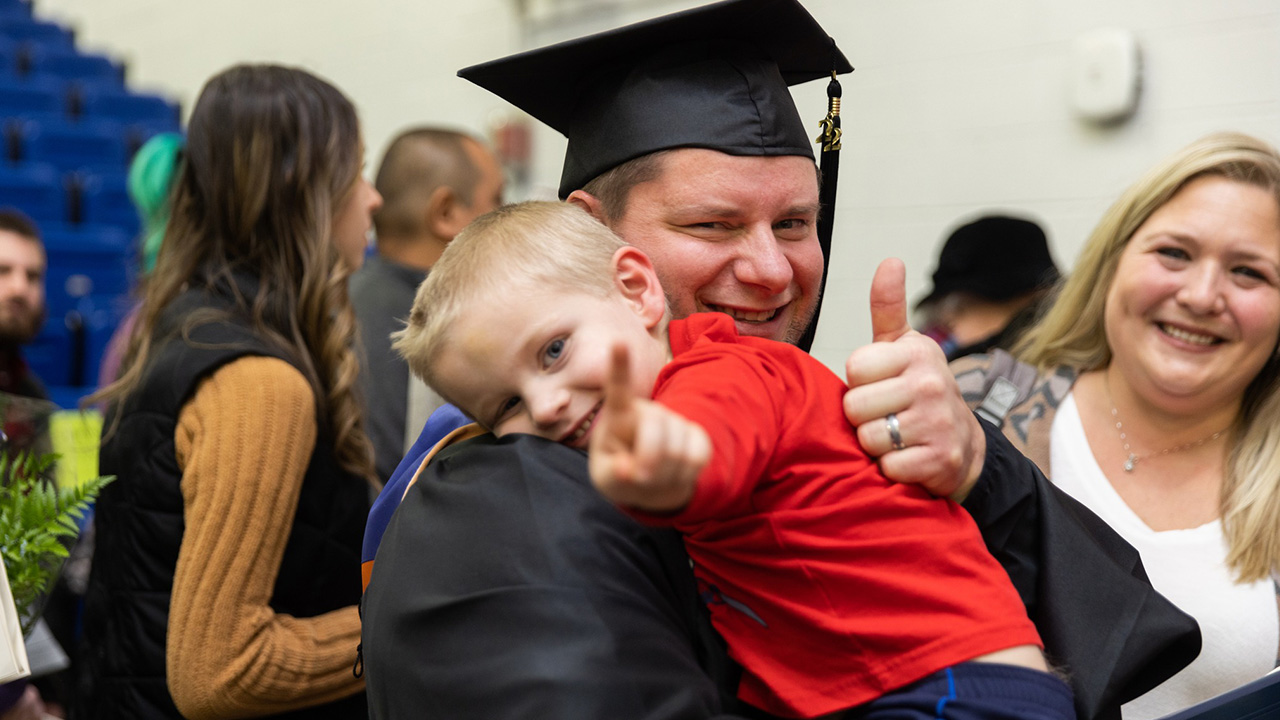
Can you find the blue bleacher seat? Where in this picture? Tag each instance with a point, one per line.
(71, 145)
(69, 127)
(8, 57)
(69, 349)
(36, 189)
(103, 199)
(36, 31)
(13, 14)
(101, 253)
(87, 290)
(85, 261)
(32, 96)
(114, 103)
(49, 354)
(74, 65)
(15, 11)
(16, 7)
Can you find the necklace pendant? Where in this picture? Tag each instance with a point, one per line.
(1130, 463)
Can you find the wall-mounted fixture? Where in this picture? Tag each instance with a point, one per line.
(1106, 75)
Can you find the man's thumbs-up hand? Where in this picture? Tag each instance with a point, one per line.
(900, 384)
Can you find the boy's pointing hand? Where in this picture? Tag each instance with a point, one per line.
(642, 455)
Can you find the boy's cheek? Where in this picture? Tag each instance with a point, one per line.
(518, 424)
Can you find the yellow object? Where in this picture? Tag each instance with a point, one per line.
(74, 436)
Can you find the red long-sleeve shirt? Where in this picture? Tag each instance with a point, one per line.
(831, 584)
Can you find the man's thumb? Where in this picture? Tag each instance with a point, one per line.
(889, 301)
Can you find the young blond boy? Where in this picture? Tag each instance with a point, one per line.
(834, 587)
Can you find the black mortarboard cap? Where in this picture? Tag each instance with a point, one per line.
(712, 77)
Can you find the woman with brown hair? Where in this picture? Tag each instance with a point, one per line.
(225, 577)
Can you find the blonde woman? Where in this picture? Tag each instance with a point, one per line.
(224, 581)
(1156, 403)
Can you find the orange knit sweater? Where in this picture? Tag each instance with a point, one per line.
(243, 443)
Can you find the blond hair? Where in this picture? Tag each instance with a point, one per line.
(497, 259)
(1072, 333)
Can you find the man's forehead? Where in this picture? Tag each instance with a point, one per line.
(710, 181)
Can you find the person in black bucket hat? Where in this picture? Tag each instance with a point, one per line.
(506, 587)
(992, 274)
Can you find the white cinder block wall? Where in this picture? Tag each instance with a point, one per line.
(956, 106)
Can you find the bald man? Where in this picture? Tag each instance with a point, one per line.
(433, 182)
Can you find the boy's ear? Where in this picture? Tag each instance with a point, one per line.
(588, 202)
(635, 278)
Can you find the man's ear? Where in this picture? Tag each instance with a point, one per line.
(588, 202)
(443, 213)
(635, 278)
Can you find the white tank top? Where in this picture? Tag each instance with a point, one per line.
(1239, 623)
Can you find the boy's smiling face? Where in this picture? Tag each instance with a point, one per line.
(539, 366)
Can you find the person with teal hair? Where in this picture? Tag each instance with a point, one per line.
(150, 178)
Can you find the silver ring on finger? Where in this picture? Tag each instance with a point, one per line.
(895, 431)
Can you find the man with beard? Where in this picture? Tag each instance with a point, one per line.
(22, 310)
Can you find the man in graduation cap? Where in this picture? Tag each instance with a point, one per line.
(506, 587)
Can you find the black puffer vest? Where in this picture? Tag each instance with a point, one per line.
(139, 523)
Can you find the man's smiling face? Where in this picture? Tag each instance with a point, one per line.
(732, 234)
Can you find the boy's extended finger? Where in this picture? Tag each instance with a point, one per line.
(617, 391)
(672, 453)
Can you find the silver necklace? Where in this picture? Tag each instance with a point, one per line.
(1132, 460)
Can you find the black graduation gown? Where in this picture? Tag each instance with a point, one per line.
(506, 587)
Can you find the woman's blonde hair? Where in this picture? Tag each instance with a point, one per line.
(1071, 333)
(499, 258)
(272, 155)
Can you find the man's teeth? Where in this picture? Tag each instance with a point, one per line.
(1185, 336)
(745, 315)
(584, 427)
